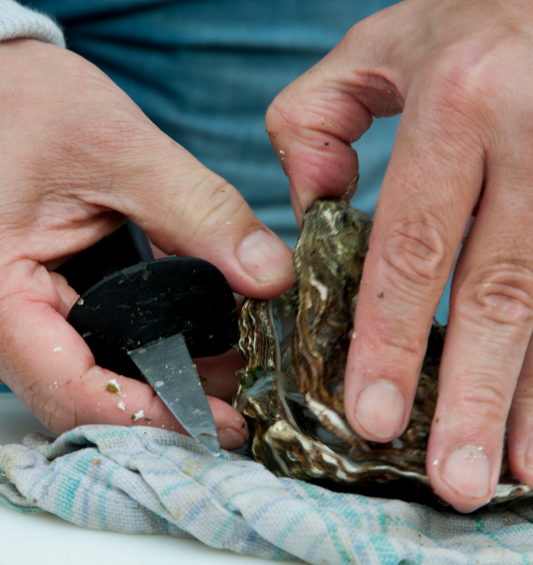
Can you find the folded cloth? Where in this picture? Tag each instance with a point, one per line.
(141, 480)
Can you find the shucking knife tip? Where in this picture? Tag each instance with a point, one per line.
(211, 443)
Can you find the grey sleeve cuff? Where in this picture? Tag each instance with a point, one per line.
(16, 21)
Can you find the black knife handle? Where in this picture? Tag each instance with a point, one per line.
(126, 247)
(128, 300)
(154, 300)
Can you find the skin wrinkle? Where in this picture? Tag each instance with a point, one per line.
(100, 139)
(68, 296)
(508, 276)
(48, 406)
(204, 213)
(405, 295)
(397, 341)
(304, 128)
(434, 133)
(31, 269)
(418, 251)
(311, 168)
(68, 241)
(74, 414)
(421, 234)
(468, 428)
(389, 96)
(479, 395)
(28, 397)
(340, 132)
(307, 138)
(482, 396)
(510, 308)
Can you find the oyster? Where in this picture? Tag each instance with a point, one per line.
(296, 349)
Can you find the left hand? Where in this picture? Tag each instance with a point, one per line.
(462, 74)
(77, 157)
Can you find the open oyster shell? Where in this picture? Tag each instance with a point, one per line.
(292, 391)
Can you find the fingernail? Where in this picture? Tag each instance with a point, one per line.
(265, 257)
(380, 409)
(350, 190)
(467, 471)
(231, 439)
(529, 456)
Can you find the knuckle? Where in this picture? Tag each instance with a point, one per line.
(42, 402)
(483, 399)
(463, 82)
(219, 203)
(280, 116)
(457, 88)
(461, 97)
(503, 295)
(220, 199)
(417, 249)
(404, 349)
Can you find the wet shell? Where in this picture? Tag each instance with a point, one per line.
(292, 390)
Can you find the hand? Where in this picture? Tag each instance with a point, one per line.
(461, 73)
(77, 156)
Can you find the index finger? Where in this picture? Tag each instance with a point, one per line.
(430, 188)
(314, 121)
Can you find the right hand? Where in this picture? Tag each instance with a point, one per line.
(461, 74)
(77, 157)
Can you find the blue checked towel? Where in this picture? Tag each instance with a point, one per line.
(149, 481)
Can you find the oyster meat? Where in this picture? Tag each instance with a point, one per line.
(296, 349)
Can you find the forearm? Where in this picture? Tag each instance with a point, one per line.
(17, 22)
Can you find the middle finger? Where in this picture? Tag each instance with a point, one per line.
(490, 324)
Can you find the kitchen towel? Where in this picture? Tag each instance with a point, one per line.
(142, 480)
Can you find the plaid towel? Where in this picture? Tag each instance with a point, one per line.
(149, 481)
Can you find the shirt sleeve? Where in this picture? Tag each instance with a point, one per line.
(16, 22)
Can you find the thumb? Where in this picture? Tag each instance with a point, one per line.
(314, 121)
(92, 150)
(186, 209)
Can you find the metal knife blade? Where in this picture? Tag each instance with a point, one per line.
(149, 303)
(168, 367)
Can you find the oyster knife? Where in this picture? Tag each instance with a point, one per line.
(148, 320)
(168, 367)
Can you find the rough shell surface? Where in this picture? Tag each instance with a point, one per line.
(296, 349)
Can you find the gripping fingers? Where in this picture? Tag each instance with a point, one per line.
(417, 231)
(491, 320)
(314, 121)
(490, 325)
(49, 367)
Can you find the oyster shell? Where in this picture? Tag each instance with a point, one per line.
(292, 390)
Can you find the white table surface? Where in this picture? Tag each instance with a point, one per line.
(45, 539)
